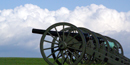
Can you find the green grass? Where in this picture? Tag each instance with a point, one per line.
(26, 61)
(22, 61)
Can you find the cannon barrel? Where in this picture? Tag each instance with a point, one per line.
(54, 33)
(38, 31)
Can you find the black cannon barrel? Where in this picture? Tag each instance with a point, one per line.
(39, 31)
(54, 33)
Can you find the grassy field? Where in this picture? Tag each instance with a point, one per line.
(26, 61)
(22, 61)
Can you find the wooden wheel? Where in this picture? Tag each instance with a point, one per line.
(55, 49)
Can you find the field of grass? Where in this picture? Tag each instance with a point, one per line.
(25, 61)
(22, 61)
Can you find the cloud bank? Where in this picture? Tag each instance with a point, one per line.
(16, 24)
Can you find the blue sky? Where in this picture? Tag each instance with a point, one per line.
(119, 5)
(17, 18)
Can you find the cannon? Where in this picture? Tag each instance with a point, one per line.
(64, 43)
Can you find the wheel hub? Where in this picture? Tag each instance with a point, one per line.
(62, 45)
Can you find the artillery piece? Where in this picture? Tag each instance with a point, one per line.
(63, 43)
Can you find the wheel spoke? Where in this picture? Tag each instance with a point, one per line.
(71, 56)
(52, 53)
(50, 42)
(56, 58)
(69, 31)
(62, 57)
(69, 51)
(52, 36)
(49, 55)
(77, 53)
(66, 56)
(63, 32)
(50, 48)
(76, 56)
(58, 34)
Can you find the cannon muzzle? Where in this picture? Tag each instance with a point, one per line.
(38, 31)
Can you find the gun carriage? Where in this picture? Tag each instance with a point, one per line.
(64, 43)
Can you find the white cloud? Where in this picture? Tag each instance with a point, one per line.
(16, 24)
